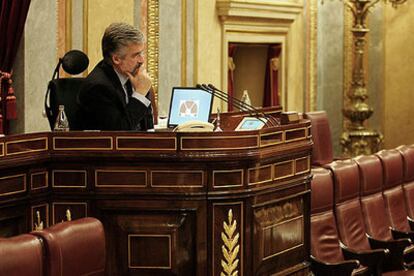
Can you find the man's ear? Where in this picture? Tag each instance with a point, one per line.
(115, 59)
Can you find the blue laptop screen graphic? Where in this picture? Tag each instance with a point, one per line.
(188, 104)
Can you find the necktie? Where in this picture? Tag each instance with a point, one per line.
(128, 87)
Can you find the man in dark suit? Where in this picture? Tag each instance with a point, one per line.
(115, 95)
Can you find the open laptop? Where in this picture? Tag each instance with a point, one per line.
(189, 104)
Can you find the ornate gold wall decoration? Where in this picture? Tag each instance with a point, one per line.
(153, 43)
(231, 247)
(357, 138)
(312, 71)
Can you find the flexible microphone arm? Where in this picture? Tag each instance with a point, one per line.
(236, 103)
(56, 72)
(242, 105)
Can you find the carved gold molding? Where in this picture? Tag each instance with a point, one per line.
(231, 247)
(183, 42)
(153, 44)
(312, 61)
(348, 56)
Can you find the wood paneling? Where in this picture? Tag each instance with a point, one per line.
(12, 184)
(171, 203)
(30, 145)
(122, 178)
(39, 180)
(69, 178)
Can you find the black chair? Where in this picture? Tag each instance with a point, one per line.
(64, 91)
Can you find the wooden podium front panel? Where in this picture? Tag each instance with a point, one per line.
(147, 237)
(279, 229)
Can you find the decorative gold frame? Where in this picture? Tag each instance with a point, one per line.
(64, 34)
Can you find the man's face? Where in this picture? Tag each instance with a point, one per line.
(129, 58)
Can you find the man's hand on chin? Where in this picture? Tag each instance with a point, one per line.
(141, 81)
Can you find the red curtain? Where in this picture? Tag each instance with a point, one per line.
(13, 15)
(230, 77)
(271, 93)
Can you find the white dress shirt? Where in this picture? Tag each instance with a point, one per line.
(135, 94)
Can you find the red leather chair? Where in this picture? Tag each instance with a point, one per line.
(393, 171)
(322, 152)
(377, 222)
(326, 254)
(349, 217)
(408, 186)
(21, 255)
(74, 248)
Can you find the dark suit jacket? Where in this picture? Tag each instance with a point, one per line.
(103, 106)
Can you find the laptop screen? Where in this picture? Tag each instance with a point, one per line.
(189, 104)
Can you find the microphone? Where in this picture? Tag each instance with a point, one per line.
(236, 103)
(242, 105)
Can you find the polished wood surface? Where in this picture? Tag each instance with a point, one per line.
(171, 203)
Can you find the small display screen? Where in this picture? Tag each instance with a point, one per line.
(250, 123)
(189, 104)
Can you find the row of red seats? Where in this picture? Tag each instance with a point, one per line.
(72, 248)
(361, 215)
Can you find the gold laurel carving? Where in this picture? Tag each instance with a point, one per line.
(68, 215)
(152, 44)
(39, 225)
(231, 247)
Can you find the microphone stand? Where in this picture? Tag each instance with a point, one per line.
(238, 104)
(224, 98)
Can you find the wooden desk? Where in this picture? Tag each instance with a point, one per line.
(171, 203)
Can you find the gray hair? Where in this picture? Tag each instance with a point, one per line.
(118, 36)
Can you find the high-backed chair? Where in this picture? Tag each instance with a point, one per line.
(322, 152)
(349, 217)
(393, 171)
(326, 254)
(377, 222)
(74, 248)
(408, 186)
(64, 91)
(21, 255)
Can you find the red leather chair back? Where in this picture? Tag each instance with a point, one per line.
(75, 247)
(408, 186)
(21, 255)
(373, 207)
(393, 168)
(324, 235)
(322, 152)
(349, 216)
